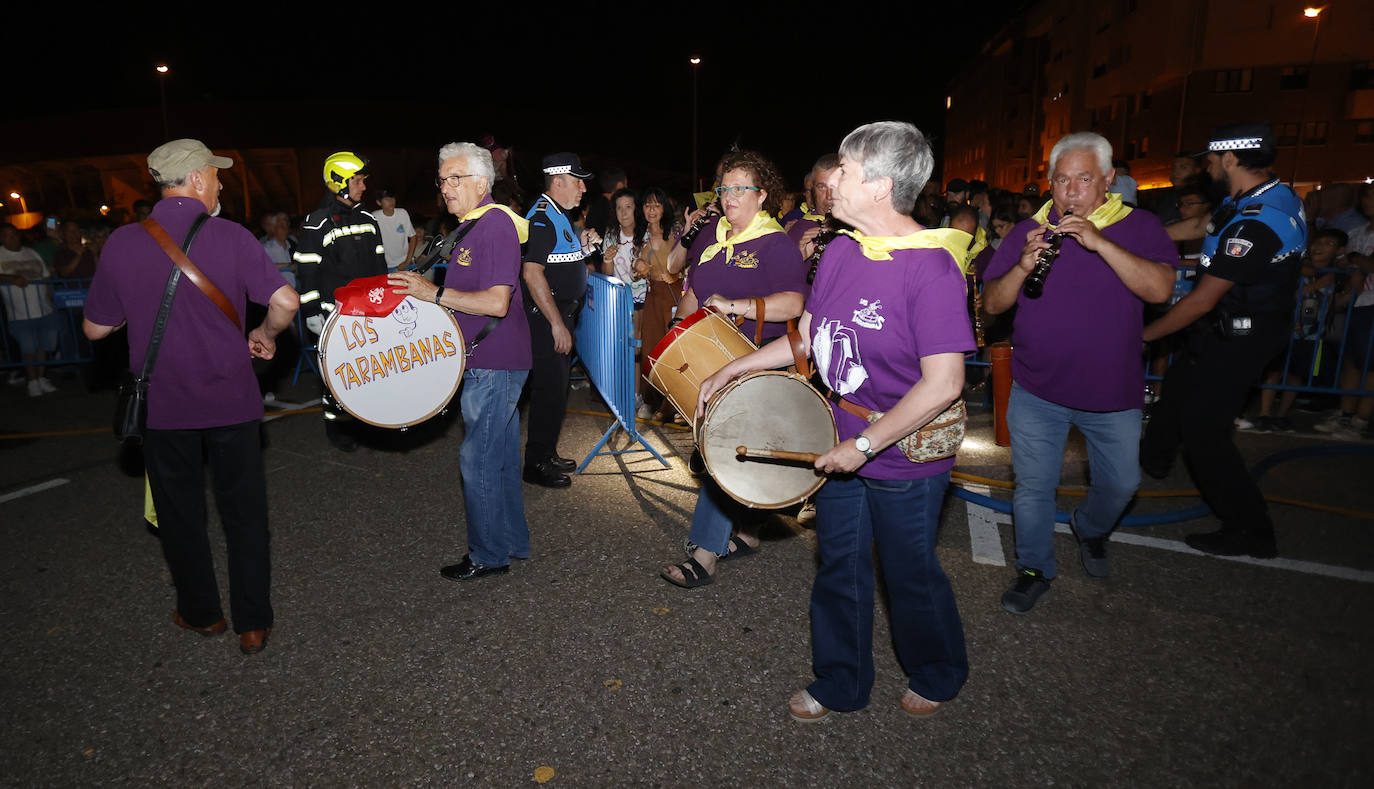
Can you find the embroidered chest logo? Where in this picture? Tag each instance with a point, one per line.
(464, 257)
(1238, 247)
(868, 316)
(568, 237)
(406, 315)
(745, 260)
(376, 295)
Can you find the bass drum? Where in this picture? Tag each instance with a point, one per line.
(394, 371)
(766, 410)
(691, 352)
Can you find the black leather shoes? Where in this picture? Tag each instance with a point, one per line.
(562, 464)
(546, 475)
(467, 570)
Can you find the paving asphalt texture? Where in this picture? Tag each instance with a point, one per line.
(582, 668)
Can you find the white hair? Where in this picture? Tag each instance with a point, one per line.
(478, 160)
(1084, 141)
(896, 150)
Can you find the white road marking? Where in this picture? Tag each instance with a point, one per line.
(42, 486)
(984, 536)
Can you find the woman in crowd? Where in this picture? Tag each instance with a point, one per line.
(621, 240)
(660, 302)
(738, 259)
(887, 327)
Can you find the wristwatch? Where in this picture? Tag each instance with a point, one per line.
(865, 446)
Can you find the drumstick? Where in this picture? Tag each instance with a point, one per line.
(779, 454)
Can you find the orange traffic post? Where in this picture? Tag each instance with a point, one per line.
(1001, 391)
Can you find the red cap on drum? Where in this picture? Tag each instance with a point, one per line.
(367, 297)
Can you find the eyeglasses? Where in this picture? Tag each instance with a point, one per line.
(451, 180)
(736, 191)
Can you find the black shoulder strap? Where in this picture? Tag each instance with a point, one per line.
(155, 342)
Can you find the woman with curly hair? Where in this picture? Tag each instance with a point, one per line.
(742, 264)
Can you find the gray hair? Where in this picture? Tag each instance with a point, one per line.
(173, 184)
(478, 160)
(896, 150)
(1084, 140)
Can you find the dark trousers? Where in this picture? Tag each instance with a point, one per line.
(1204, 391)
(176, 472)
(548, 385)
(902, 517)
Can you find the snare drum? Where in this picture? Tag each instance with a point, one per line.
(691, 352)
(393, 371)
(766, 410)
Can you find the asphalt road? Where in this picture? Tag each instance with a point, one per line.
(582, 668)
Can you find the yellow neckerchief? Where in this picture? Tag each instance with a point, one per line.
(1109, 213)
(522, 225)
(761, 225)
(980, 243)
(806, 214)
(953, 241)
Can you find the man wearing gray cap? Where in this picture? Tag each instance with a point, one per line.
(203, 400)
(1243, 303)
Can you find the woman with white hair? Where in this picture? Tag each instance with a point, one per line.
(887, 327)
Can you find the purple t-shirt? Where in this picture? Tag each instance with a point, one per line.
(872, 321)
(203, 376)
(1079, 344)
(489, 255)
(760, 267)
(797, 229)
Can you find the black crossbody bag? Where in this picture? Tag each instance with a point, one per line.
(131, 405)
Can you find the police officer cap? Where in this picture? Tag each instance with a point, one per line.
(1245, 136)
(565, 164)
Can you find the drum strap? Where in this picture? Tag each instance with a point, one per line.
(487, 328)
(759, 311)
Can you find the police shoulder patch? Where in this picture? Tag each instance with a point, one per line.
(1238, 247)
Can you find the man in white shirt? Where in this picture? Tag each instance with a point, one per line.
(398, 234)
(28, 306)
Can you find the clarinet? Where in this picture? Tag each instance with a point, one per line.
(709, 212)
(1035, 281)
(828, 232)
(971, 283)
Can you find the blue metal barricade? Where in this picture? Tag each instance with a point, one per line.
(606, 343)
(68, 298)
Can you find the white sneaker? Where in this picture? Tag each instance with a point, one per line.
(1332, 423)
(1352, 430)
(46, 386)
(35, 389)
(1243, 424)
(644, 412)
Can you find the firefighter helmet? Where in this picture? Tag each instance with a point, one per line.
(341, 166)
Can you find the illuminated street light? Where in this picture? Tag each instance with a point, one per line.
(104, 210)
(1312, 12)
(695, 60)
(23, 205)
(162, 69)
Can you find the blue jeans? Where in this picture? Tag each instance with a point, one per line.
(1039, 429)
(490, 461)
(903, 517)
(715, 516)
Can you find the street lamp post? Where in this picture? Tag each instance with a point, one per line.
(23, 205)
(162, 71)
(1311, 12)
(696, 63)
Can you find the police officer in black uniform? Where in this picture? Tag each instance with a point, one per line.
(554, 281)
(340, 242)
(1241, 312)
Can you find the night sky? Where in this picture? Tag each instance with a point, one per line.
(609, 81)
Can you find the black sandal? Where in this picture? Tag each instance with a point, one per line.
(741, 550)
(693, 575)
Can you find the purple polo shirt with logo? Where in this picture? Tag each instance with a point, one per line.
(1079, 344)
(203, 376)
(760, 267)
(871, 322)
(489, 255)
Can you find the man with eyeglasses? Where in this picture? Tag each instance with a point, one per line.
(553, 282)
(340, 243)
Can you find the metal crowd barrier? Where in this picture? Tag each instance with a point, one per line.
(606, 343)
(68, 297)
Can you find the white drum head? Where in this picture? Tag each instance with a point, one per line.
(394, 371)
